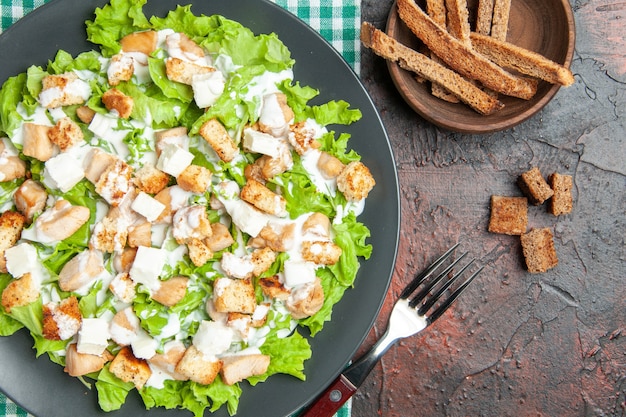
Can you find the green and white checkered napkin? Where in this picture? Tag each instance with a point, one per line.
(338, 21)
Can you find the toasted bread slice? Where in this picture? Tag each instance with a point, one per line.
(523, 60)
(500, 19)
(484, 16)
(458, 20)
(390, 49)
(462, 58)
(436, 9)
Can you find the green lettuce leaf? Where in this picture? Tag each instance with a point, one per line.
(112, 391)
(10, 96)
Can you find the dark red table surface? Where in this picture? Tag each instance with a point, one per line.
(515, 344)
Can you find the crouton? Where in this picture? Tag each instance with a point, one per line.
(19, 292)
(218, 138)
(236, 266)
(85, 114)
(11, 166)
(254, 171)
(115, 100)
(539, 252)
(11, 225)
(115, 182)
(321, 252)
(199, 252)
(263, 198)
(306, 300)
(534, 186)
(110, 234)
(234, 296)
(36, 142)
(150, 179)
(65, 134)
(191, 222)
(30, 199)
(96, 163)
(128, 368)
(61, 321)
(195, 179)
(273, 288)
(509, 215)
(276, 115)
(317, 225)
(329, 165)
(183, 71)
(302, 137)
(197, 367)
(79, 364)
(144, 42)
(236, 368)
(140, 235)
(220, 238)
(355, 181)
(171, 291)
(561, 202)
(60, 221)
(81, 270)
(121, 68)
(63, 90)
(123, 287)
(262, 260)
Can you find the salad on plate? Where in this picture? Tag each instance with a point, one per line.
(174, 212)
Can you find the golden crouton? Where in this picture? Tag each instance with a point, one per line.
(254, 171)
(509, 215)
(302, 138)
(534, 186)
(321, 252)
(11, 225)
(218, 138)
(562, 201)
(263, 198)
(330, 166)
(171, 291)
(115, 182)
(195, 179)
(63, 90)
(65, 134)
(273, 288)
(30, 199)
(85, 114)
(19, 292)
(262, 260)
(61, 321)
(114, 99)
(123, 287)
(81, 270)
(140, 235)
(355, 181)
(109, 234)
(195, 366)
(150, 179)
(199, 252)
(306, 300)
(234, 296)
(183, 71)
(62, 220)
(79, 364)
(236, 368)
(121, 68)
(36, 142)
(538, 249)
(96, 163)
(220, 238)
(12, 166)
(144, 42)
(128, 368)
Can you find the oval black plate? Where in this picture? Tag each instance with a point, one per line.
(44, 389)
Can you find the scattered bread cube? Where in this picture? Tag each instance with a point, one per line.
(61, 321)
(19, 292)
(355, 181)
(273, 288)
(150, 179)
(321, 252)
(534, 186)
(11, 225)
(114, 99)
(538, 249)
(195, 179)
(65, 134)
(128, 368)
(199, 252)
(234, 296)
(198, 367)
(218, 138)
(509, 215)
(263, 198)
(561, 202)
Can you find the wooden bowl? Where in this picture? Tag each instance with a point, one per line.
(543, 26)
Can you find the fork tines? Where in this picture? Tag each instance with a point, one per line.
(431, 292)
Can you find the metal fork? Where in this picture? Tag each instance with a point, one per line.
(409, 316)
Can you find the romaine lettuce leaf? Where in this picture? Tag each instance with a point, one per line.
(10, 96)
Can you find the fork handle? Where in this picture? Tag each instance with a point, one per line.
(331, 400)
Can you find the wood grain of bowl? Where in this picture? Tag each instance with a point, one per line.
(543, 26)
